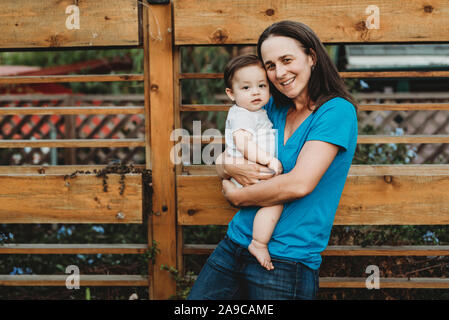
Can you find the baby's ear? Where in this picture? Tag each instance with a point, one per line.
(230, 94)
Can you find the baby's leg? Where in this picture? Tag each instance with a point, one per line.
(264, 223)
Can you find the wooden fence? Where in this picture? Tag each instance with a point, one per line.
(191, 195)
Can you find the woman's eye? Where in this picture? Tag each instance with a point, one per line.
(270, 66)
(287, 60)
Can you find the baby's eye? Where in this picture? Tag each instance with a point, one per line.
(245, 87)
(263, 85)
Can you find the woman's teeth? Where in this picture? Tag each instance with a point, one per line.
(285, 83)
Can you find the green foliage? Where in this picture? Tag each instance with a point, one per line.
(184, 283)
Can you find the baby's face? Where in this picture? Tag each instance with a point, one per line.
(250, 88)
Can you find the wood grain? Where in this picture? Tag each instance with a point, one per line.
(162, 122)
(57, 248)
(36, 198)
(85, 280)
(71, 110)
(362, 107)
(415, 199)
(241, 22)
(361, 139)
(349, 250)
(73, 78)
(72, 143)
(42, 24)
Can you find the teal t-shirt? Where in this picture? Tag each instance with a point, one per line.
(304, 227)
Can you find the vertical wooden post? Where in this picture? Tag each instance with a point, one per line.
(146, 76)
(159, 91)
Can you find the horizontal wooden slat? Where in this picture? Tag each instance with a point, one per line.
(404, 106)
(45, 169)
(361, 139)
(349, 250)
(77, 97)
(418, 198)
(403, 95)
(73, 78)
(394, 74)
(422, 138)
(345, 75)
(71, 110)
(241, 22)
(85, 280)
(201, 76)
(73, 143)
(46, 24)
(43, 198)
(386, 283)
(56, 248)
(362, 107)
(355, 169)
(204, 107)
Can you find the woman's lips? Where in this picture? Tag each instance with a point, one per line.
(287, 82)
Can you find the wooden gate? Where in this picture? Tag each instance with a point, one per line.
(190, 194)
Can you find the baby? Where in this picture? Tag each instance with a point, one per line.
(249, 134)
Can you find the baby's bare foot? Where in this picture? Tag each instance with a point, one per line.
(260, 251)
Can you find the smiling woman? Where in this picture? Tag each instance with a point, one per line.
(317, 123)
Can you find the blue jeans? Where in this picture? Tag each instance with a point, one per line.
(231, 272)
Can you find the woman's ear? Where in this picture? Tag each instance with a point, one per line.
(230, 94)
(313, 56)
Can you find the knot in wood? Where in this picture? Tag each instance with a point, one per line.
(269, 12)
(154, 87)
(388, 179)
(428, 9)
(219, 36)
(191, 212)
(360, 26)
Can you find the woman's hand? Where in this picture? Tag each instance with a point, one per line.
(243, 171)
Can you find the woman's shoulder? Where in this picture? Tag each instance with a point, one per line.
(338, 105)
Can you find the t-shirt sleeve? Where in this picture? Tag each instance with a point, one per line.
(335, 124)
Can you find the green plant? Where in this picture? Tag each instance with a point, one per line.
(184, 283)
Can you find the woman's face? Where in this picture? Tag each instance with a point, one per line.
(288, 67)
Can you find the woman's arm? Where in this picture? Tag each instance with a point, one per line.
(313, 161)
(242, 170)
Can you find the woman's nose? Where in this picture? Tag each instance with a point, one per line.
(280, 72)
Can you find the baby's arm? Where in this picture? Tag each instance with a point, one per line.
(250, 150)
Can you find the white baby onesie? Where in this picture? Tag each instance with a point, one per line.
(255, 122)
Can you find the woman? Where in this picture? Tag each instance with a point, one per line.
(317, 134)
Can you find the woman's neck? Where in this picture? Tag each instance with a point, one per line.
(303, 103)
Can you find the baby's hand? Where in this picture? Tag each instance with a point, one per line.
(275, 165)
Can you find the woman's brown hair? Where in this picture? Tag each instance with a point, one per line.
(325, 82)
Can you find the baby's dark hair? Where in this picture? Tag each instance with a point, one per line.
(237, 63)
